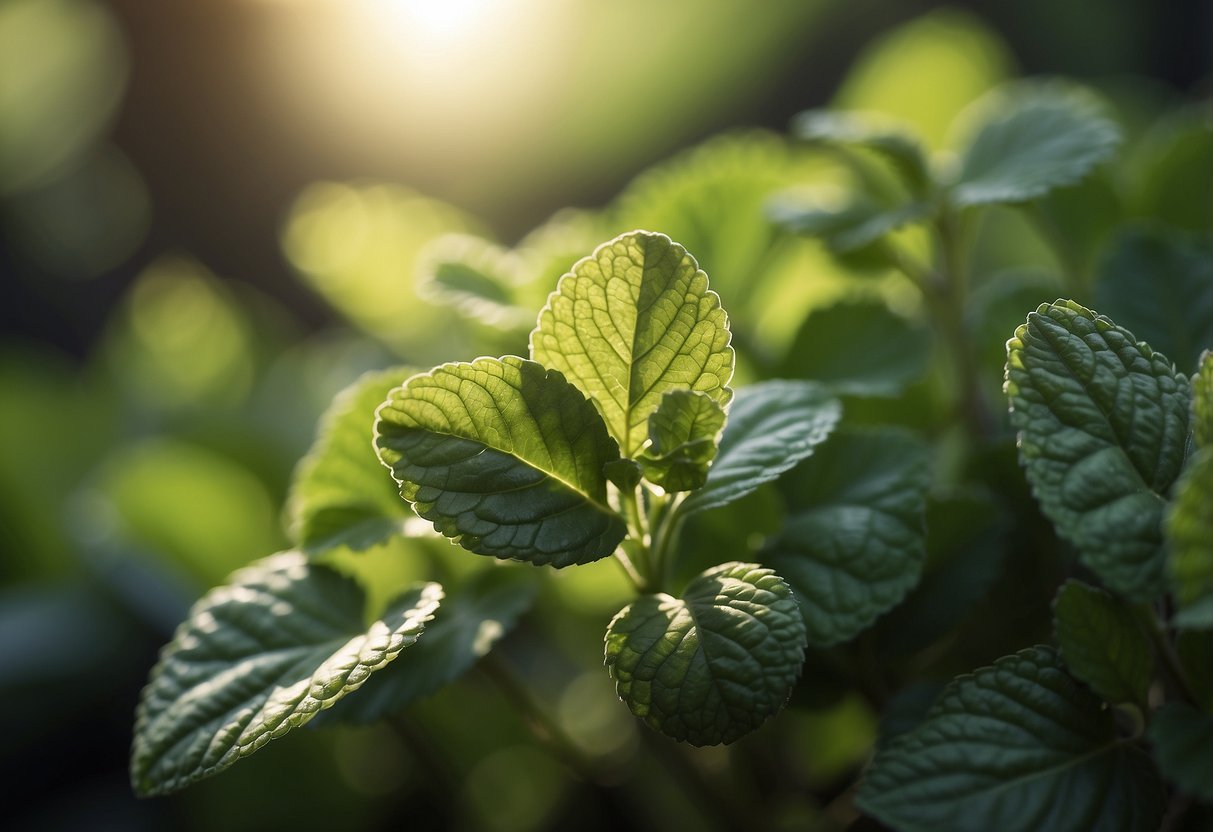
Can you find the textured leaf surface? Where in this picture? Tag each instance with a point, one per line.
(683, 434)
(854, 543)
(631, 322)
(470, 622)
(1173, 270)
(1183, 744)
(772, 426)
(504, 457)
(1102, 643)
(1102, 424)
(714, 665)
(1029, 139)
(1016, 746)
(1190, 531)
(340, 494)
(888, 138)
(258, 657)
(860, 348)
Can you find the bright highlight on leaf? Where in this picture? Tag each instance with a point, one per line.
(1103, 422)
(684, 431)
(1102, 643)
(631, 322)
(855, 540)
(714, 665)
(257, 657)
(772, 426)
(504, 457)
(1027, 140)
(1017, 747)
(340, 494)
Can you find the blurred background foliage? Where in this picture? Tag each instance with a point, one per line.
(213, 216)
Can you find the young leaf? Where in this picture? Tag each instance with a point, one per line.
(466, 627)
(1190, 531)
(340, 494)
(684, 431)
(1102, 643)
(1183, 744)
(772, 426)
(632, 321)
(475, 276)
(893, 141)
(854, 543)
(1173, 270)
(1029, 139)
(1102, 422)
(1202, 401)
(257, 657)
(714, 665)
(860, 347)
(1016, 746)
(504, 457)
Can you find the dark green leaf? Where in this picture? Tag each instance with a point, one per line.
(504, 457)
(1194, 649)
(1029, 139)
(684, 431)
(1102, 422)
(859, 347)
(893, 141)
(1016, 746)
(341, 495)
(471, 620)
(260, 656)
(772, 426)
(1175, 272)
(714, 665)
(1190, 531)
(631, 322)
(1183, 743)
(854, 543)
(1102, 643)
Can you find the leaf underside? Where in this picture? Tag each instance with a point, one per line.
(1016, 746)
(854, 543)
(504, 457)
(1102, 424)
(714, 665)
(258, 657)
(631, 322)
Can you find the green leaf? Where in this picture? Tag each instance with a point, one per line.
(772, 426)
(477, 277)
(860, 347)
(1202, 401)
(1016, 746)
(504, 457)
(632, 321)
(1195, 651)
(714, 665)
(684, 431)
(894, 141)
(1183, 744)
(1102, 424)
(847, 230)
(1102, 643)
(466, 627)
(340, 494)
(257, 657)
(854, 543)
(1175, 271)
(1027, 139)
(1190, 531)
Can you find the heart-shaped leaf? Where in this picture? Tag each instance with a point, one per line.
(257, 657)
(504, 457)
(772, 426)
(1103, 423)
(1017, 747)
(714, 665)
(340, 494)
(631, 322)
